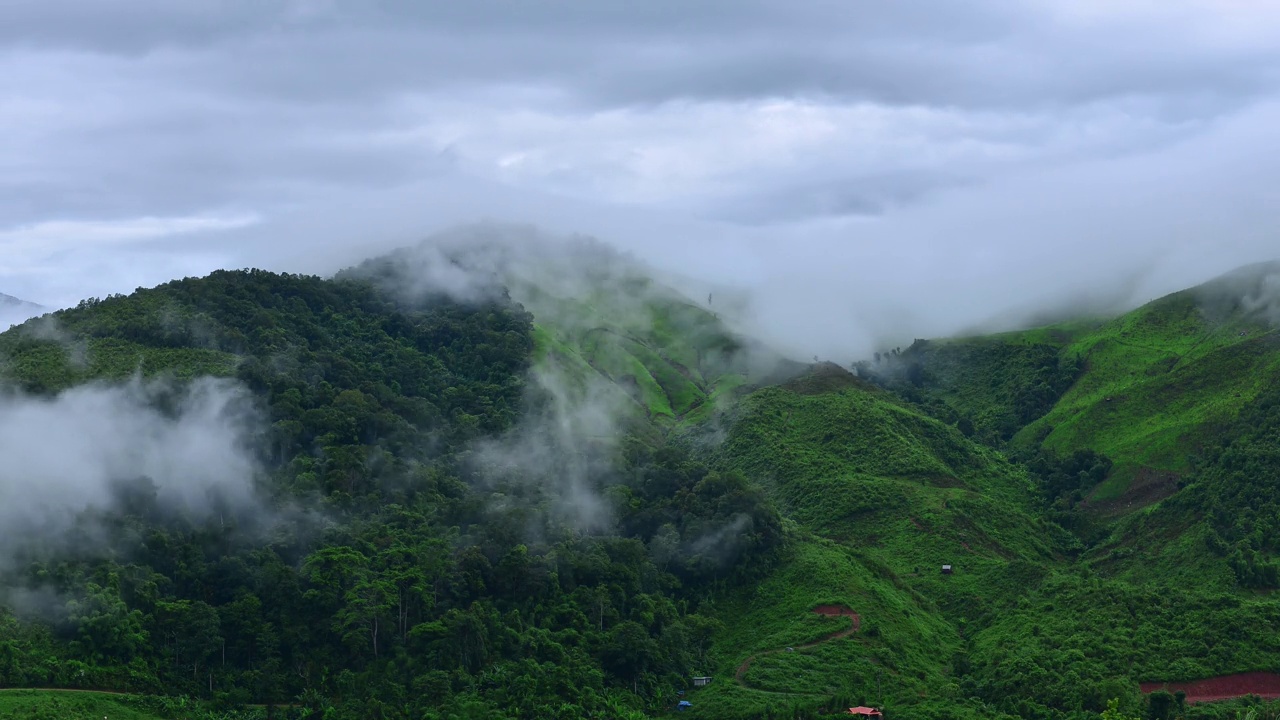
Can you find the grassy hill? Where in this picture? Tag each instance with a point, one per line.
(1159, 381)
(59, 705)
(898, 492)
(880, 497)
(673, 358)
(602, 322)
(781, 527)
(1146, 389)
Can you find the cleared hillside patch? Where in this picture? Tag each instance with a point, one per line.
(897, 636)
(68, 705)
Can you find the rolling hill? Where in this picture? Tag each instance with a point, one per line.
(530, 480)
(1147, 389)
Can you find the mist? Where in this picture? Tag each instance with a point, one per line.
(840, 180)
(188, 450)
(14, 311)
(1252, 291)
(863, 175)
(560, 456)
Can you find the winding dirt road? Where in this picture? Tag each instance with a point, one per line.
(824, 610)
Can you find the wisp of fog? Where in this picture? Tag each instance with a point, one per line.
(72, 452)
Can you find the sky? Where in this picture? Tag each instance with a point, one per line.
(872, 172)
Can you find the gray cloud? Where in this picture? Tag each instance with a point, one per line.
(916, 52)
(836, 197)
(870, 171)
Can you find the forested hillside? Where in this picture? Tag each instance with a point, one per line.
(377, 570)
(487, 483)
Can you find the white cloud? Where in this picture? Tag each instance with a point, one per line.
(699, 157)
(53, 235)
(923, 150)
(67, 454)
(37, 246)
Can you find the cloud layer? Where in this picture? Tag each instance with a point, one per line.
(870, 171)
(80, 449)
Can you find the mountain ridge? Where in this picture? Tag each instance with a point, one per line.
(565, 497)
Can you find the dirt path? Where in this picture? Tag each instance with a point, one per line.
(1225, 687)
(824, 610)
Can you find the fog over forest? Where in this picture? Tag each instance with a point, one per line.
(594, 359)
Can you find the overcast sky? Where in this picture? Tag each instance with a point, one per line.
(871, 169)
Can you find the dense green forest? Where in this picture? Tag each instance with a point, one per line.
(402, 588)
(570, 504)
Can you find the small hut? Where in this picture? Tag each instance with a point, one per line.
(701, 681)
(946, 569)
(866, 712)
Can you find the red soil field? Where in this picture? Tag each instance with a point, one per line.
(836, 611)
(1262, 684)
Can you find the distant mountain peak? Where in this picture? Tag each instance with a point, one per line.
(11, 300)
(16, 310)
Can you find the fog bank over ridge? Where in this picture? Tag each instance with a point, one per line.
(864, 174)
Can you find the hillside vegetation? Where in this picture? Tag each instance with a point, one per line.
(484, 484)
(601, 322)
(1147, 389)
(412, 581)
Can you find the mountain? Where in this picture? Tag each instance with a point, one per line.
(599, 316)
(1147, 389)
(415, 513)
(11, 301)
(527, 478)
(1152, 436)
(14, 310)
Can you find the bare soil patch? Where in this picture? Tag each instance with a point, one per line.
(1148, 486)
(1224, 687)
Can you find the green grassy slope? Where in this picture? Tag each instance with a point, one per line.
(900, 656)
(881, 496)
(862, 467)
(673, 359)
(69, 705)
(1145, 389)
(1179, 588)
(1156, 383)
(1217, 531)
